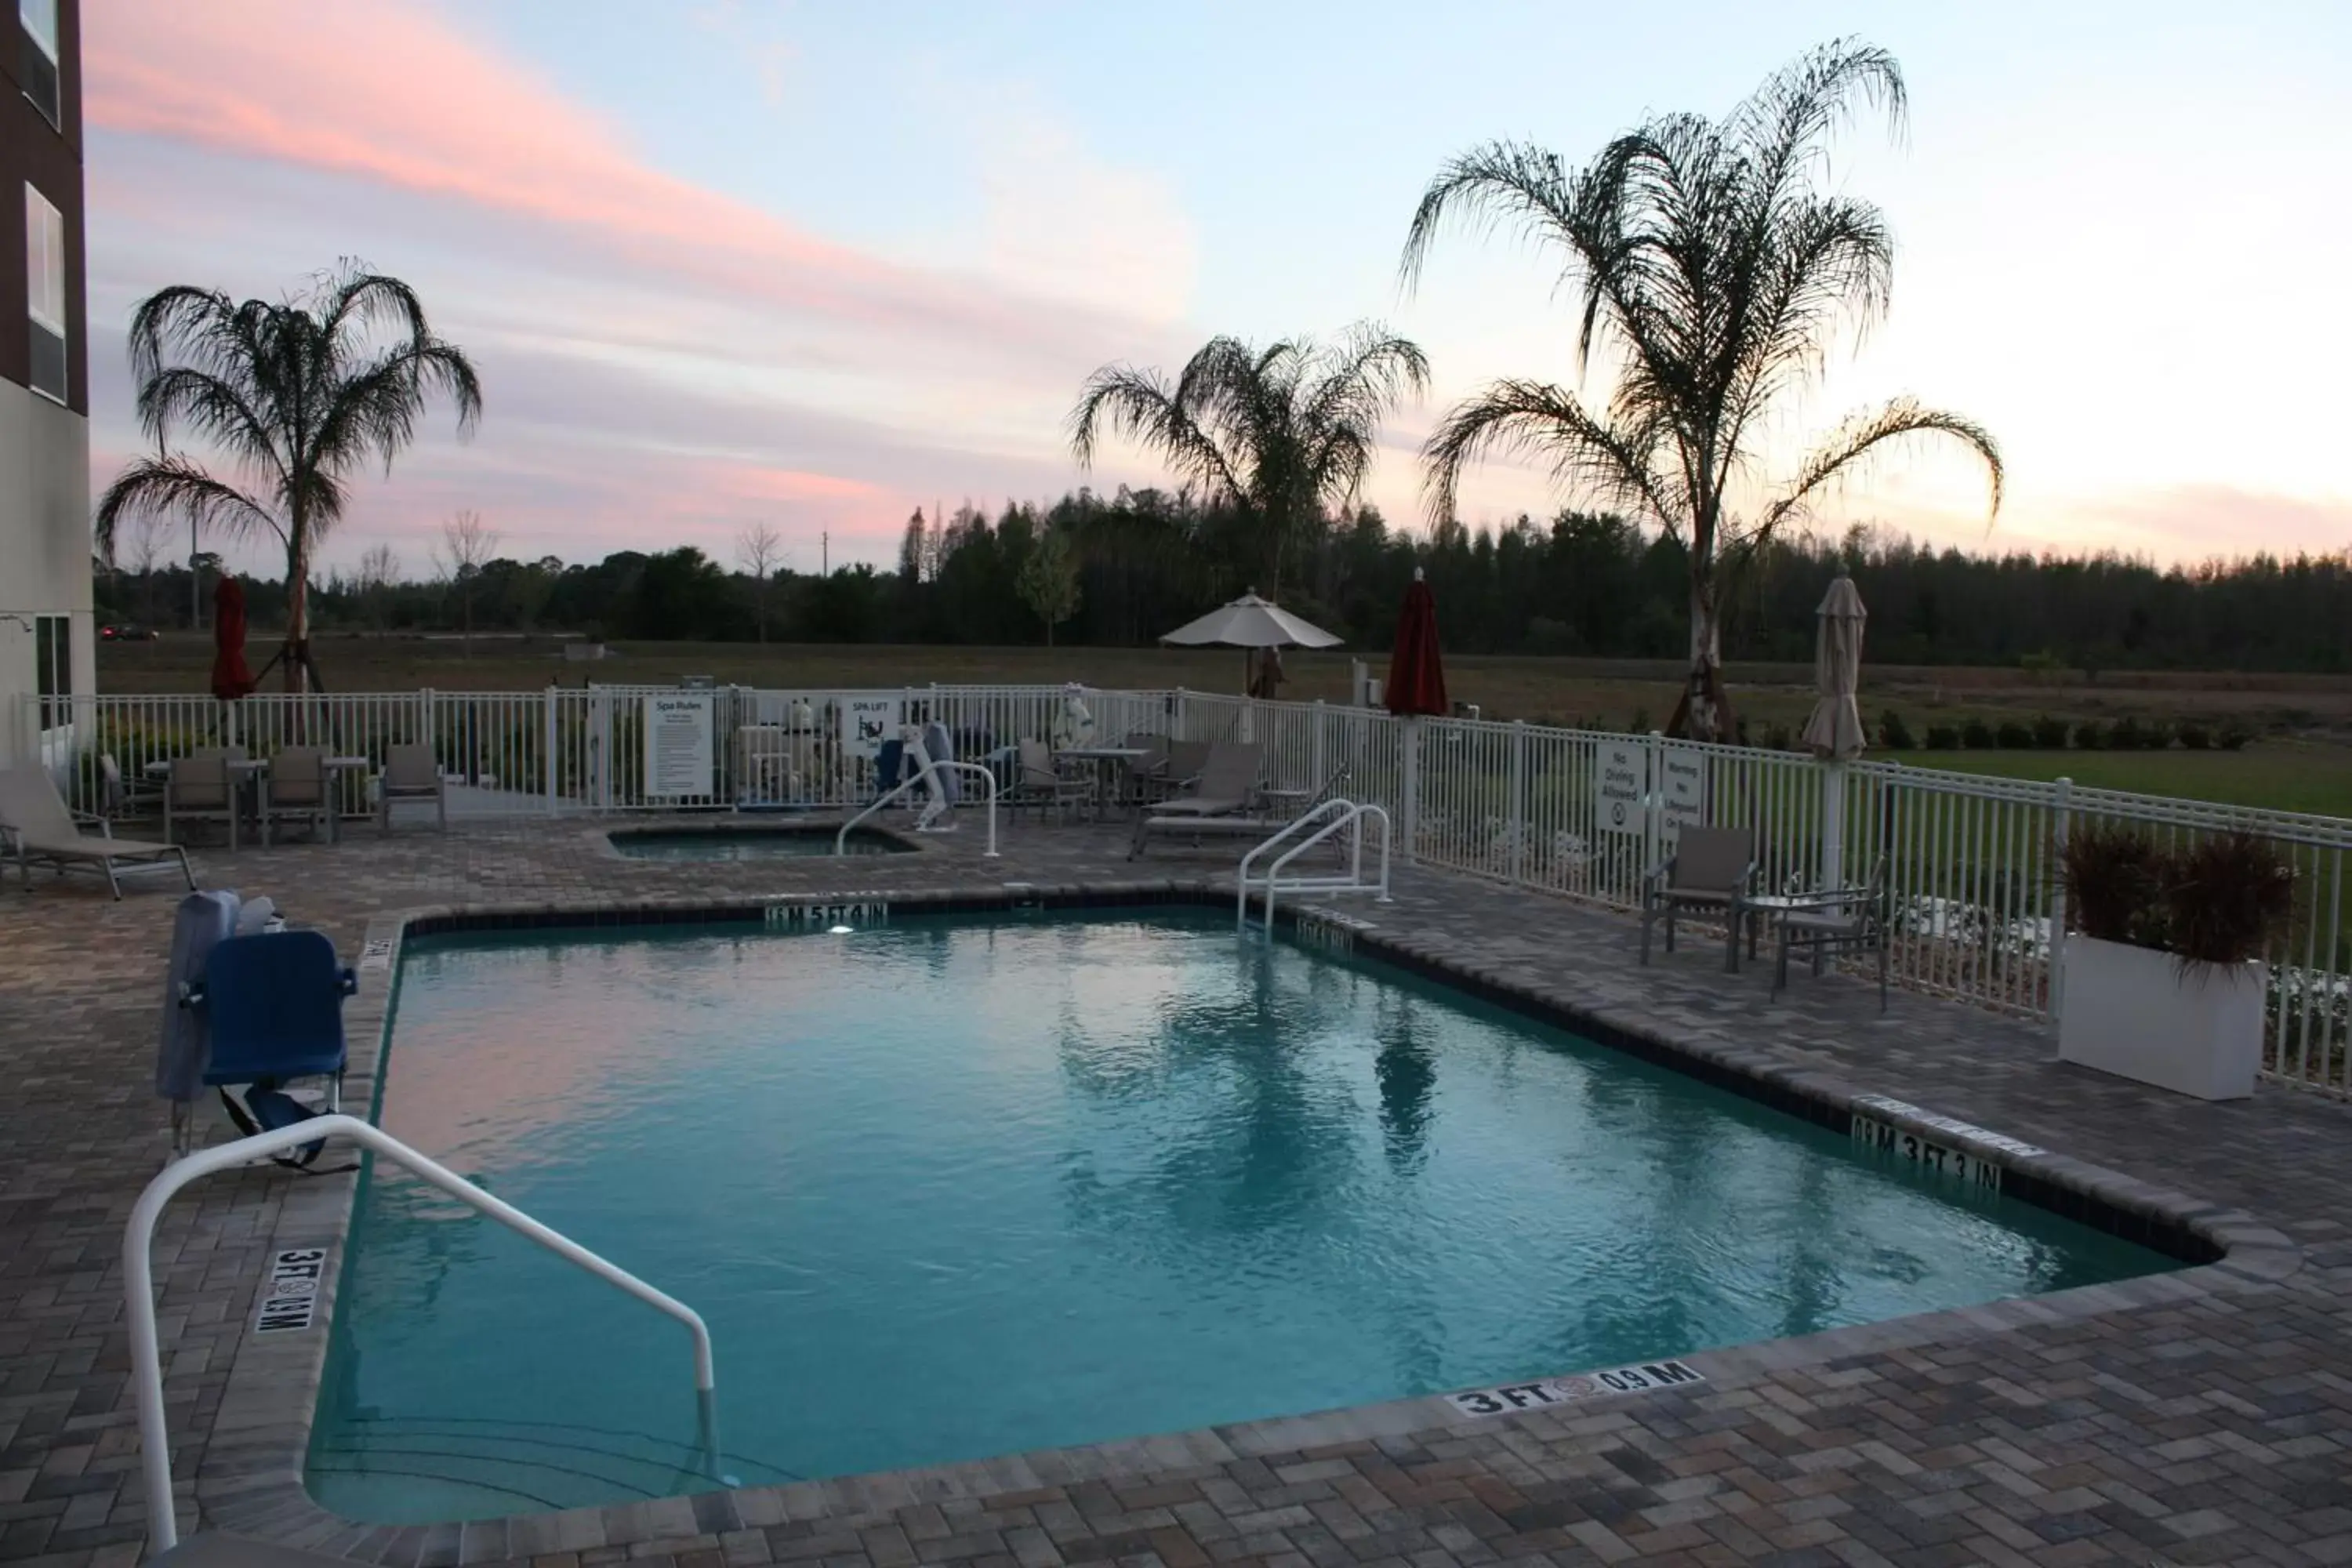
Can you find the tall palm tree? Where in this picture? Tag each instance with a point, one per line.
(295, 396)
(1275, 433)
(1714, 273)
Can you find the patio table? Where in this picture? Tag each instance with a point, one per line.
(1100, 759)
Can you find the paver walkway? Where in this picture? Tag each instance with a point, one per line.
(2217, 1428)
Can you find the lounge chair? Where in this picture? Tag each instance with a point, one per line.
(1837, 920)
(295, 787)
(410, 774)
(35, 826)
(1709, 872)
(1225, 788)
(201, 787)
(1181, 771)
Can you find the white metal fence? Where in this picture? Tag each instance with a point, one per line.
(1970, 861)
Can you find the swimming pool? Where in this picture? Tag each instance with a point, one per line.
(953, 1187)
(788, 843)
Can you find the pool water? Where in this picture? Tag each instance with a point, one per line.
(752, 843)
(950, 1188)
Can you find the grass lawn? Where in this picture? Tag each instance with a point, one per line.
(2284, 775)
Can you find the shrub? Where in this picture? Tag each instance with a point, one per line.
(1777, 738)
(2123, 735)
(2049, 733)
(2234, 737)
(2114, 878)
(1943, 738)
(1641, 725)
(2015, 736)
(2089, 737)
(2228, 897)
(2155, 736)
(2194, 736)
(1893, 733)
(1976, 735)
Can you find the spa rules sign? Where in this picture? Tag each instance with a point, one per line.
(679, 755)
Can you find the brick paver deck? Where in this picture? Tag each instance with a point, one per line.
(2207, 1419)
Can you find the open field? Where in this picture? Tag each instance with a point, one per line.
(2301, 763)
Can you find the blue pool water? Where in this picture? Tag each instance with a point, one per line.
(752, 843)
(948, 1189)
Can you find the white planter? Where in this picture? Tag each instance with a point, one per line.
(2139, 1013)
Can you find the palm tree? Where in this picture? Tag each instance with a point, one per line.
(295, 396)
(1275, 433)
(1714, 273)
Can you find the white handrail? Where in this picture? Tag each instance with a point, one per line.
(841, 839)
(139, 1283)
(1296, 824)
(1353, 883)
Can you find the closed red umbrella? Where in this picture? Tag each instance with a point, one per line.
(231, 678)
(1416, 670)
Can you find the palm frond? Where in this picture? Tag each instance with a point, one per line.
(1536, 420)
(176, 486)
(1121, 400)
(1859, 438)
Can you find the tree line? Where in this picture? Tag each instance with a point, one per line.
(1140, 562)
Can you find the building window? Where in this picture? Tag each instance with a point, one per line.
(45, 292)
(40, 55)
(53, 661)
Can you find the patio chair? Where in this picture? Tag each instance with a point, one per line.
(1223, 792)
(1709, 872)
(1139, 776)
(273, 1007)
(295, 787)
(411, 773)
(201, 787)
(1044, 784)
(36, 826)
(126, 796)
(1836, 921)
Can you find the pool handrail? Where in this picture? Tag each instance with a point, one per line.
(1354, 881)
(139, 1283)
(1289, 830)
(841, 839)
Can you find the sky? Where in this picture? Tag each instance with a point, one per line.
(723, 263)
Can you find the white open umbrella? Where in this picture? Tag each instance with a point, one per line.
(1250, 622)
(1834, 730)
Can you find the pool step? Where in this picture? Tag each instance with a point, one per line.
(459, 1468)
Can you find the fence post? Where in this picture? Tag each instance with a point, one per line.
(1317, 772)
(1654, 800)
(1518, 828)
(547, 745)
(2061, 828)
(425, 736)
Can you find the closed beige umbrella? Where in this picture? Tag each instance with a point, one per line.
(1835, 733)
(1835, 729)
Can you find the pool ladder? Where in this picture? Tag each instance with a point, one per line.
(1334, 816)
(139, 1283)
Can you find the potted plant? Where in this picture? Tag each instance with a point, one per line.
(2165, 982)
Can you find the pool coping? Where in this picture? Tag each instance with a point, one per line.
(251, 1478)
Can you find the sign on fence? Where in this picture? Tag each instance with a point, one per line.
(866, 723)
(1682, 792)
(1618, 767)
(680, 758)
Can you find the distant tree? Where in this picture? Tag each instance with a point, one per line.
(379, 572)
(465, 549)
(914, 550)
(295, 396)
(1275, 434)
(681, 594)
(1710, 265)
(1048, 582)
(760, 549)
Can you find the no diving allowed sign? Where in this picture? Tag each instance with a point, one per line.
(1503, 1399)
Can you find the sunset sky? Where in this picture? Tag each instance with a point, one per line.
(816, 264)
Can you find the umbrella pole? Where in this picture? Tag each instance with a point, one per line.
(1833, 826)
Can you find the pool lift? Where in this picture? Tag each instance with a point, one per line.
(936, 775)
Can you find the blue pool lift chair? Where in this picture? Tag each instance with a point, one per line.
(273, 1006)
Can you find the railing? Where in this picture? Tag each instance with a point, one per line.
(927, 772)
(1971, 861)
(139, 1283)
(1342, 814)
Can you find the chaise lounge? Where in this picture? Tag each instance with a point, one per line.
(36, 826)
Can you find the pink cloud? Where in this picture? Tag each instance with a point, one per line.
(392, 94)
